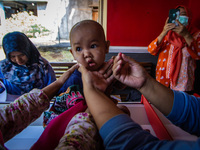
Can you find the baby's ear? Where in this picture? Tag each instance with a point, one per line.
(107, 46)
(72, 53)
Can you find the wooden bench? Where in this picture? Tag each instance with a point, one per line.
(60, 67)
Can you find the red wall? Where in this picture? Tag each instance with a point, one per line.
(138, 22)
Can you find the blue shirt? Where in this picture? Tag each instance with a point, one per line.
(74, 79)
(121, 132)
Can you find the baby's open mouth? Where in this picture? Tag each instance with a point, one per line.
(91, 63)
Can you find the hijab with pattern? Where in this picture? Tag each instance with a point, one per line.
(28, 76)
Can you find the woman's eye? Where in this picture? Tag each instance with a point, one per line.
(22, 55)
(93, 46)
(78, 49)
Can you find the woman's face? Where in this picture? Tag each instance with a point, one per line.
(182, 11)
(18, 58)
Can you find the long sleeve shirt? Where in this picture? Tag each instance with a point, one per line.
(190, 54)
(121, 132)
(17, 115)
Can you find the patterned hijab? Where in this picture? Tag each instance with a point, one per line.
(178, 42)
(28, 76)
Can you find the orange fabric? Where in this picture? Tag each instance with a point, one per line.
(176, 58)
(176, 62)
(178, 42)
(163, 53)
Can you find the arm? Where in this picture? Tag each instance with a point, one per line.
(28, 107)
(52, 89)
(104, 108)
(118, 130)
(160, 96)
(160, 42)
(187, 114)
(19, 114)
(129, 72)
(166, 28)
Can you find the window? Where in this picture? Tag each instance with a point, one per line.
(46, 22)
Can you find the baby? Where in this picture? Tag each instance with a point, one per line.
(88, 47)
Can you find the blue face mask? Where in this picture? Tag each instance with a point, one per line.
(183, 20)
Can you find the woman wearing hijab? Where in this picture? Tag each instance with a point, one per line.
(24, 68)
(178, 47)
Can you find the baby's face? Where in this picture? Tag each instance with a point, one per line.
(89, 46)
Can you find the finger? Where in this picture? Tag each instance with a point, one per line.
(179, 23)
(71, 70)
(117, 68)
(106, 66)
(108, 73)
(129, 60)
(166, 22)
(74, 67)
(113, 57)
(110, 79)
(117, 58)
(82, 69)
(68, 73)
(169, 26)
(117, 61)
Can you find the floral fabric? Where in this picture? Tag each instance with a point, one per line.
(63, 102)
(190, 54)
(19, 114)
(81, 133)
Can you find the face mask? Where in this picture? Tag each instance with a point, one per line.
(183, 20)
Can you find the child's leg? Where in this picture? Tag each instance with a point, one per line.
(81, 133)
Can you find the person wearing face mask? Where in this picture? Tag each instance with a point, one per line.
(178, 47)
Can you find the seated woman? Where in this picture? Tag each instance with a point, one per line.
(24, 68)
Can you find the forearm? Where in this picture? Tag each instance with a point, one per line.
(19, 114)
(159, 95)
(52, 89)
(101, 107)
(160, 37)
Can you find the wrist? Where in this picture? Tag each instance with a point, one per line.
(147, 85)
(160, 37)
